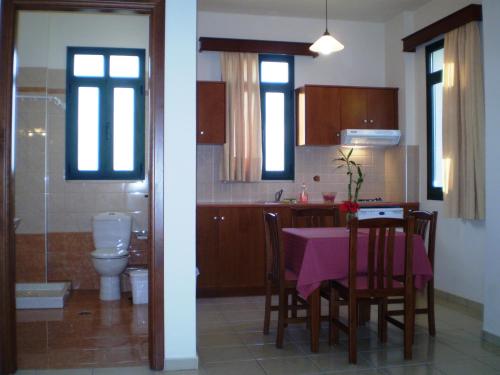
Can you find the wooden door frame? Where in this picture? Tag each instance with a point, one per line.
(156, 10)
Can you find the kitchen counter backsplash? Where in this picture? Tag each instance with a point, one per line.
(309, 162)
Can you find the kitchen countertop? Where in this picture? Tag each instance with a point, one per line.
(310, 204)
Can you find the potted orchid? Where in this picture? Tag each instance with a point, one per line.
(350, 206)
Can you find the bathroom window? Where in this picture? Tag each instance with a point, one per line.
(105, 114)
(434, 68)
(276, 95)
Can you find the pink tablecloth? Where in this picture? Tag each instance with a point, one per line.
(319, 254)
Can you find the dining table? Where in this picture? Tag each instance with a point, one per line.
(316, 255)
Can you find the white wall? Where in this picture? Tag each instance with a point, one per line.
(180, 185)
(362, 62)
(460, 244)
(491, 42)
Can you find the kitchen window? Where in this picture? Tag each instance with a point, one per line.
(434, 76)
(276, 94)
(105, 114)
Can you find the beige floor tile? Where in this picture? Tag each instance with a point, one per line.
(224, 354)
(255, 338)
(324, 348)
(214, 327)
(465, 367)
(339, 362)
(473, 348)
(271, 351)
(209, 316)
(491, 361)
(76, 371)
(219, 339)
(144, 370)
(249, 326)
(289, 366)
(392, 357)
(413, 370)
(356, 372)
(302, 335)
(243, 315)
(239, 368)
(244, 306)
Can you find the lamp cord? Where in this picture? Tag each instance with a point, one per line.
(326, 15)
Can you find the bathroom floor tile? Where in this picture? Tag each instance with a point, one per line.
(87, 333)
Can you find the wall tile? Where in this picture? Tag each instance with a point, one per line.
(309, 162)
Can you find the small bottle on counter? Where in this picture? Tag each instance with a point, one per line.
(303, 196)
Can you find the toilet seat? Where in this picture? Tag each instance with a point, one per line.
(109, 253)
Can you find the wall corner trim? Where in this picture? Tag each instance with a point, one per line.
(178, 364)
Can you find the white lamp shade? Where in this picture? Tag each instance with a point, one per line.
(326, 44)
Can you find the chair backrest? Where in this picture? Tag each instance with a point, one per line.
(425, 227)
(275, 258)
(303, 217)
(381, 250)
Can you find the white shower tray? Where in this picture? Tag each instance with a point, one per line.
(41, 295)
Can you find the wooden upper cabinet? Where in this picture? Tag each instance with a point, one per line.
(211, 112)
(318, 115)
(369, 108)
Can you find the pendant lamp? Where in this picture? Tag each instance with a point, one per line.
(326, 44)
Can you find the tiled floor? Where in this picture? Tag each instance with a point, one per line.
(86, 333)
(230, 341)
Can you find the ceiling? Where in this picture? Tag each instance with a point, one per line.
(355, 10)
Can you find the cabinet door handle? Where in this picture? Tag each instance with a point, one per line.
(371, 121)
(216, 218)
(202, 132)
(222, 218)
(338, 134)
(365, 121)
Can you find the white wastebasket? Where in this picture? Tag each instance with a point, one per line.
(139, 281)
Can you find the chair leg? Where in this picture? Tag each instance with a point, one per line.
(353, 326)
(382, 322)
(333, 316)
(294, 304)
(267, 310)
(431, 317)
(409, 324)
(282, 314)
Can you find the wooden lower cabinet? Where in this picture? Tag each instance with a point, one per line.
(230, 247)
(230, 251)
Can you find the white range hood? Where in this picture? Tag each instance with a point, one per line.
(369, 137)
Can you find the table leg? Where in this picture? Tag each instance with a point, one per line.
(314, 303)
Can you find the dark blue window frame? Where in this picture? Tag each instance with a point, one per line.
(288, 90)
(432, 78)
(106, 84)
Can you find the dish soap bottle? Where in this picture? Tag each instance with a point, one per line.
(303, 196)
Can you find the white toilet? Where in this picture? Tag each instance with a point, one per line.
(111, 232)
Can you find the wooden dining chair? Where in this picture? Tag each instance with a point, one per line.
(278, 277)
(377, 283)
(425, 226)
(305, 217)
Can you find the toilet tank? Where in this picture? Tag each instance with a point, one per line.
(111, 230)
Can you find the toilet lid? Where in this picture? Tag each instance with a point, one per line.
(109, 253)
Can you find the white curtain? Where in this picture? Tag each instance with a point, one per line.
(243, 149)
(463, 124)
